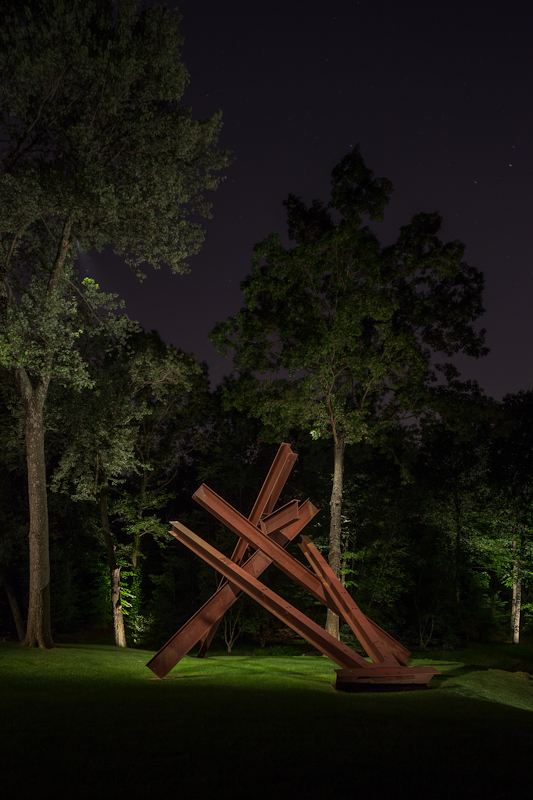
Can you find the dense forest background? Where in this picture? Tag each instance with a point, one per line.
(436, 526)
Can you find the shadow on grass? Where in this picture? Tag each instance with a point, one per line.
(90, 723)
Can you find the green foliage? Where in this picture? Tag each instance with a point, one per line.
(96, 150)
(46, 335)
(111, 431)
(353, 325)
(95, 133)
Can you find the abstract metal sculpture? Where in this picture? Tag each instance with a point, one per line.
(268, 533)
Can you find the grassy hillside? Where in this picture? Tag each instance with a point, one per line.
(86, 721)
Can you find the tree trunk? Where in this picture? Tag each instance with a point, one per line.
(114, 574)
(13, 604)
(517, 596)
(332, 620)
(231, 628)
(38, 629)
(458, 546)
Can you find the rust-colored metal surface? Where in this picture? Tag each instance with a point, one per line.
(287, 613)
(307, 511)
(266, 499)
(350, 611)
(268, 532)
(285, 562)
(281, 518)
(270, 491)
(374, 678)
(214, 609)
(222, 511)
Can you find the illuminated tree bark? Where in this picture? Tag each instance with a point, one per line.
(334, 557)
(517, 594)
(114, 573)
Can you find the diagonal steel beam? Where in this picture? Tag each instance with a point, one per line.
(200, 624)
(350, 611)
(287, 613)
(270, 491)
(236, 522)
(280, 481)
(279, 519)
(226, 514)
(266, 500)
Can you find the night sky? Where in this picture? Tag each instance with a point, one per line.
(438, 97)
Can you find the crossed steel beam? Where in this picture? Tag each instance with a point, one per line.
(269, 532)
(202, 626)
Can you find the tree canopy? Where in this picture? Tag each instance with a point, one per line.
(341, 336)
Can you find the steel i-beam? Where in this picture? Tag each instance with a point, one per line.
(283, 610)
(226, 514)
(350, 611)
(200, 623)
(266, 500)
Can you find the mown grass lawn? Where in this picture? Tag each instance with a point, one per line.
(89, 721)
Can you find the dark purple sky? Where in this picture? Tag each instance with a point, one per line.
(438, 94)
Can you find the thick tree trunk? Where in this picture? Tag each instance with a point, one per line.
(13, 604)
(114, 574)
(517, 596)
(332, 620)
(38, 629)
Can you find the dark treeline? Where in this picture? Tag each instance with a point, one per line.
(436, 527)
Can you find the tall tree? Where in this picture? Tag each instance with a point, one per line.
(95, 148)
(114, 433)
(512, 469)
(354, 326)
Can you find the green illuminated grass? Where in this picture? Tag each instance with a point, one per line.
(87, 721)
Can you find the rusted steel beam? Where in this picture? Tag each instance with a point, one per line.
(274, 482)
(280, 481)
(275, 522)
(187, 636)
(317, 636)
(226, 514)
(284, 516)
(288, 564)
(350, 611)
(270, 491)
(266, 499)
(402, 653)
(214, 609)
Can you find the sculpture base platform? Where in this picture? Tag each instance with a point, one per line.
(382, 679)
